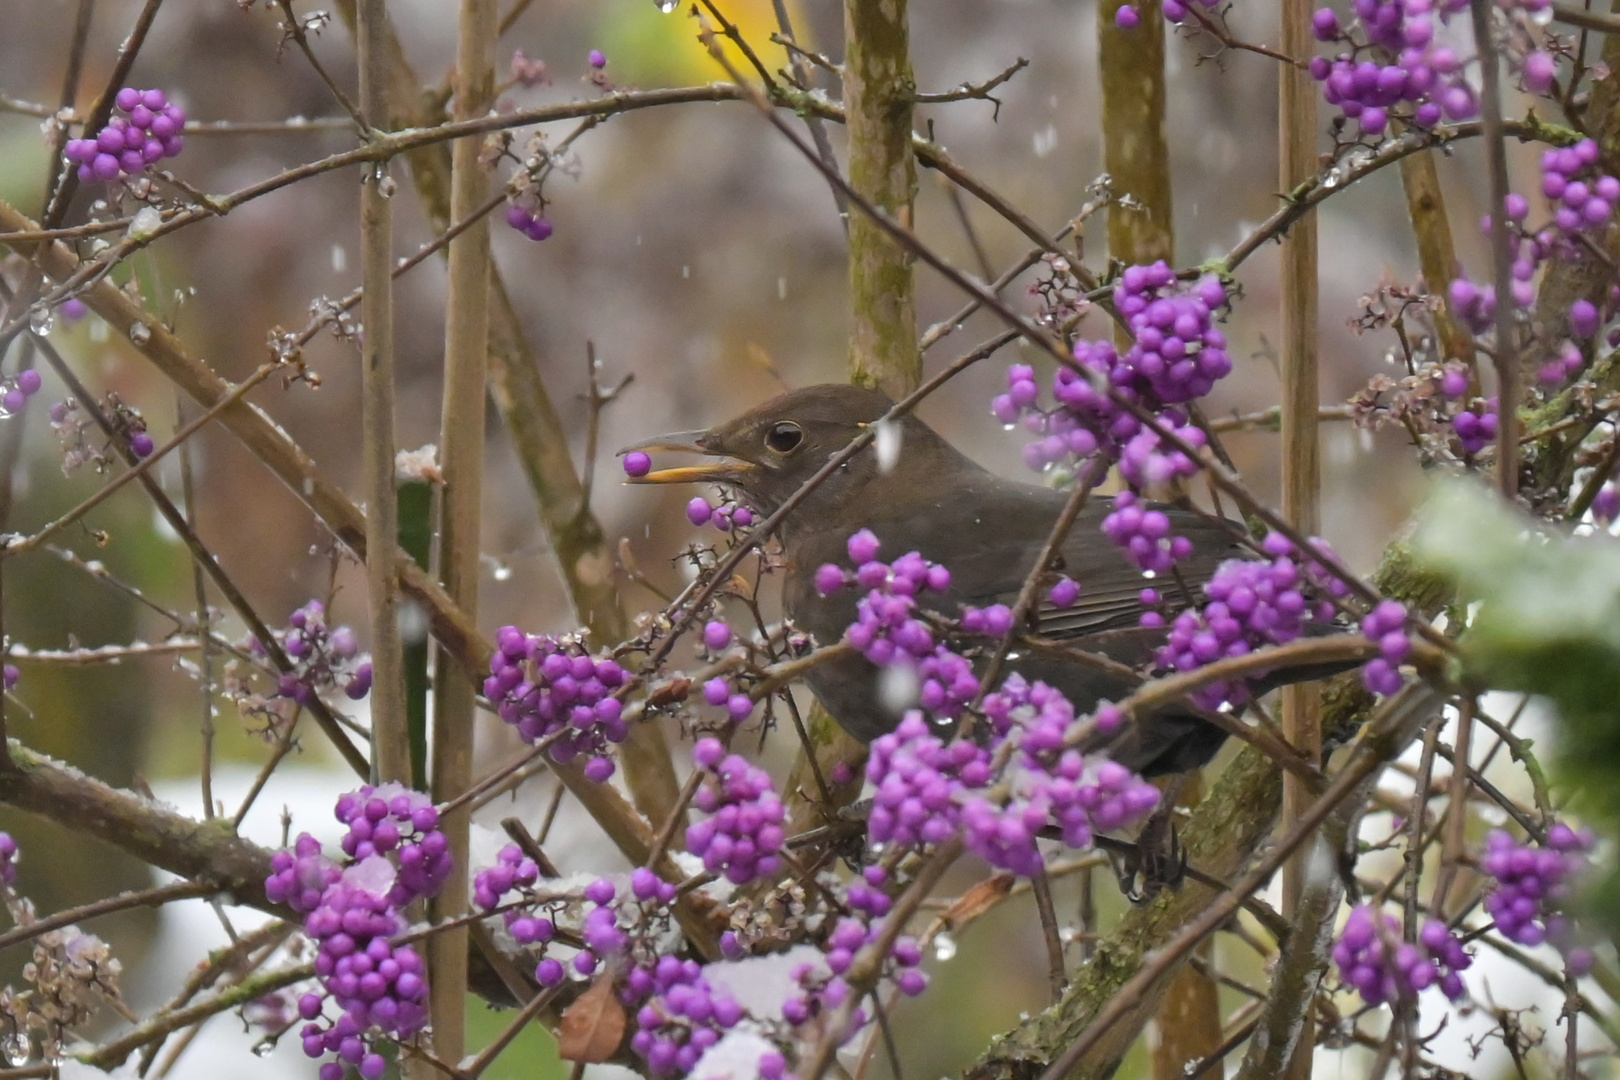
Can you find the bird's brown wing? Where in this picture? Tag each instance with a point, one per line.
(991, 557)
(989, 533)
(1111, 586)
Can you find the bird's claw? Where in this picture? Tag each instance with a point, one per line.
(1155, 863)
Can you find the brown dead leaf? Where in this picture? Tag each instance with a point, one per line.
(669, 692)
(978, 900)
(593, 1027)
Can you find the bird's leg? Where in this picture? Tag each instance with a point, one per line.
(1157, 860)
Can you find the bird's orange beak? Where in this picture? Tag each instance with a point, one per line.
(729, 470)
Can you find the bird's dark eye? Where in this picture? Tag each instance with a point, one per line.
(784, 437)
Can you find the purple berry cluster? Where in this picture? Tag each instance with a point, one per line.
(1583, 200)
(823, 986)
(1395, 68)
(1178, 355)
(1144, 535)
(928, 791)
(396, 855)
(1176, 11)
(1475, 426)
(1531, 882)
(1582, 195)
(681, 1017)
(394, 820)
(1385, 626)
(720, 693)
(1474, 304)
(380, 988)
(995, 621)
(887, 630)
(1251, 604)
(1047, 772)
(608, 926)
(551, 688)
(921, 783)
(1565, 365)
(743, 834)
(534, 224)
(15, 391)
(148, 131)
(615, 926)
(513, 871)
(300, 877)
(323, 656)
(1373, 958)
(701, 512)
(1149, 459)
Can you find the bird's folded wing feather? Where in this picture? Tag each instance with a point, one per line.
(990, 559)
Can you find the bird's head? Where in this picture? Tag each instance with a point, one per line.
(768, 453)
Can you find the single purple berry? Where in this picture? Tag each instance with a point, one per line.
(698, 511)
(708, 753)
(141, 445)
(597, 60)
(637, 464)
(1539, 71)
(863, 547)
(1583, 319)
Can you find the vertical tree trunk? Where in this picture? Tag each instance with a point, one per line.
(878, 92)
(1137, 156)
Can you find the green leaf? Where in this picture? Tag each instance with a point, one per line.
(1545, 610)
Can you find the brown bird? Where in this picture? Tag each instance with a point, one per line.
(988, 531)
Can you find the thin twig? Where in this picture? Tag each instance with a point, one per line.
(205, 661)
(1057, 978)
(293, 29)
(1505, 354)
